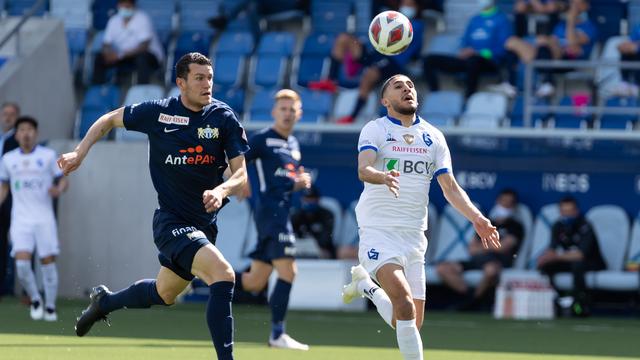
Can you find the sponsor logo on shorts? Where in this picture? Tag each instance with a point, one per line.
(190, 156)
(286, 238)
(196, 235)
(208, 133)
(373, 254)
(173, 119)
(289, 251)
(183, 230)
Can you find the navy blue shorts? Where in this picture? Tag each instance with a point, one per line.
(273, 246)
(178, 241)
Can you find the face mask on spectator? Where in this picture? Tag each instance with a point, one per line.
(485, 4)
(568, 220)
(125, 12)
(501, 212)
(408, 11)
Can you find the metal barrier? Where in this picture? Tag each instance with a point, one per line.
(16, 29)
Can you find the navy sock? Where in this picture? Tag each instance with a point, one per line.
(141, 295)
(239, 286)
(334, 67)
(279, 302)
(219, 318)
(359, 105)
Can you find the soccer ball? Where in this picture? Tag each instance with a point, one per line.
(390, 32)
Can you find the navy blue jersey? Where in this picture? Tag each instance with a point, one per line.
(277, 161)
(187, 151)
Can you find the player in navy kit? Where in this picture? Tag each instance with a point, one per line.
(189, 137)
(277, 156)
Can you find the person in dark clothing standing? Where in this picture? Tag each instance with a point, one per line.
(8, 142)
(574, 248)
(313, 220)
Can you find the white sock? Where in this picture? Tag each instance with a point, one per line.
(28, 279)
(50, 282)
(409, 340)
(379, 298)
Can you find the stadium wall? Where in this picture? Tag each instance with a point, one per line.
(39, 78)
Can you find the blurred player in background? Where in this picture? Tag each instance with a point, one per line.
(189, 138)
(33, 177)
(399, 155)
(276, 153)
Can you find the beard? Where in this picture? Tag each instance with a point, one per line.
(405, 109)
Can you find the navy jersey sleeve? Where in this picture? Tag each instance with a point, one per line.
(256, 143)
(140, 117)
(235, 139)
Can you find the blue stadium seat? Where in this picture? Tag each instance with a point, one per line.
(441, 108)
(607, 16)
(569, 121)
(279, 43)
(444, 44)
(516, 117)
(233, 97)
(161, 14)
(228, 69)
(363, 11)
(76, 14)
(97, 101)
(268, 71)
(236, 42)
(313, 62)
(188, 42)
(316, 105)
(76, 41)
(195, 13)
(261, 105)
(330, 16)
(102, 10)
(619, 122)
(20, 7)
(281, 10)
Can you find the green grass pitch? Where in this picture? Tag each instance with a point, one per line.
(180, 333)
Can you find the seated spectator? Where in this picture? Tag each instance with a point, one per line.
(349, 52)
(130, 45)
(550, 9)
(313, 220)
(572, 39)
(492, 260)
(573, 248)
(482, 49)
(630, 51)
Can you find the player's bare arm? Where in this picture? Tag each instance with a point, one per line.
(459, 199)
(368, 173)
(4, 191)
(212, 199)
(57, 189)
(70, 161)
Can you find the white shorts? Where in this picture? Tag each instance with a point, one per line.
(29, 237)
(395, 246)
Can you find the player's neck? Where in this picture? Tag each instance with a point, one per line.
(27, 149)
(282, 132)
(190, 106)
(406, 120)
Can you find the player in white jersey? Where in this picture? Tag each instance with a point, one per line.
(32, 175)
(399, 155)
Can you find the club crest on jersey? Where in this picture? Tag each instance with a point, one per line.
(427, 139)
(208, 133)
(408, 138)
(173, 119)
(373, 254)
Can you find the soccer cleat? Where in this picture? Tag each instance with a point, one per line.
(350, 291)
(50, 315)
(287, 342)
(37, 310)
(92, 313)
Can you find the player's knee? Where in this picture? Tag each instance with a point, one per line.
(227, 274)
(168, 296)
(404, 308)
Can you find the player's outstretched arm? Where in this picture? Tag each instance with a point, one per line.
(368, 173)
(212, 199)
(71, 161)
(459, 199)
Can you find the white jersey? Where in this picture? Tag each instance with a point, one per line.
(30, 176)
(419, 153)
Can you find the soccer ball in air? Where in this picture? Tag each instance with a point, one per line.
(390, 32)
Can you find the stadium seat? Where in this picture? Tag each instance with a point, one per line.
(441, 108)
(162, 15)
(235, 42)
(349, 229)
(140, 93)
(617, 280)
(313, 63)
(268, 67)
(102, 10)
(234, 97)
(77, 42)
(333, 205)
(516, 117)
(20, 7)
(541, 236)
(431, 232)
(189, 42)
(193, 16)
(457, 14)
(229, 69)
(444, 44)
(261, 105)
(175, 91)
(608, 17)
(316, 105)
(97, 101)
(330, 16)
(281, 10)
(233, 233)
(363, 11)
(484, 110)
(346, 100)
(619, 122)
(522, 214)
(278, 43)
(569, 121)
(76, 14)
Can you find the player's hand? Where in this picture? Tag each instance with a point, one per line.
(54, 192)
(487, 232)
(212, 200)
(303, 180)
(628, 47)
(391, 180)
(466, 53)
(69, 162)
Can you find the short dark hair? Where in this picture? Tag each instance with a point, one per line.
(509, 191)
(386, 84)
(182, 66)
(13, 105)
(132, 2)
(27, 120)
(569, 200)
